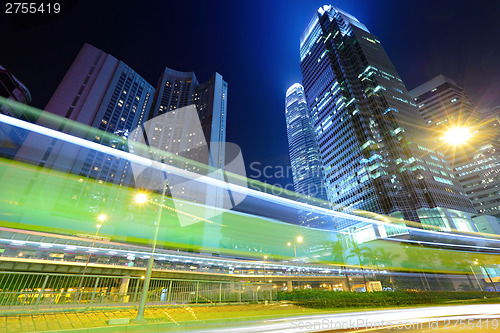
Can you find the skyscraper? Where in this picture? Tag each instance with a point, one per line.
(476, 163)
(307, 171)
(179, 89)
(102, 92)
(371, 137)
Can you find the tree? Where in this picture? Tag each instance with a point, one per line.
(387, 259)
(357, 251)
(338, 256)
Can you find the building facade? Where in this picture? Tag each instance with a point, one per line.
(100, 92)
(476, 163)
(307, 172)
(176, 90)
(371, 137)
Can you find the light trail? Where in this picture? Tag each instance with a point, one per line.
(363, 321)
(219, 183)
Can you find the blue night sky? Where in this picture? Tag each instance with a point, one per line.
(254, 45)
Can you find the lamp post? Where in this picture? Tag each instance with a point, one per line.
(476, 262)
(140, 199)
(298, 240)
(265, 275)
(480, 287)
(101, 218)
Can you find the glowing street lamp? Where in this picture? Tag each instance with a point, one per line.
(460, 134)
(298, 240)
(142, 198)
(457, 135)
(101, 218)
(476, 262)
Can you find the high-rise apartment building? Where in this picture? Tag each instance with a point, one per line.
(307, 172)
(101, 92)
(179, 89)
(476, 163)
(371, 137)
(98, 92)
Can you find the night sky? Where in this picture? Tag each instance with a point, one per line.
(255, 46)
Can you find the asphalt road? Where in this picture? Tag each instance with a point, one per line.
(475, 318)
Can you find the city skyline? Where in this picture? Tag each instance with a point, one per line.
(174, 156)
(418, 58)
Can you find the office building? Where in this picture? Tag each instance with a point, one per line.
(307, 172)
(476, 162)
(371, 137)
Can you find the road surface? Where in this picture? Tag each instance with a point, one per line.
(461, 318)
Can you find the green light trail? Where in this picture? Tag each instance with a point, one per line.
(41, 199)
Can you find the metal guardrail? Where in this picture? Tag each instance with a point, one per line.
(37, 290)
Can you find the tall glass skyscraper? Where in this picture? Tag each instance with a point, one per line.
(307, 172)
(371, 137)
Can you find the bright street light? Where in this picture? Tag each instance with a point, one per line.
(141, 198)
(476, 262)
(457, 135)
(300, 239)
(101, 218)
